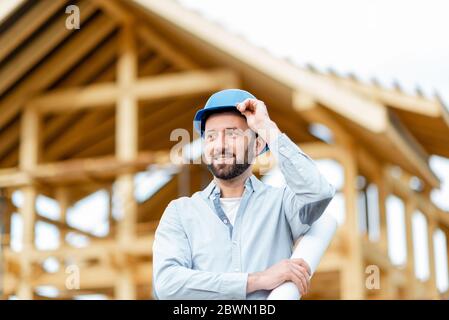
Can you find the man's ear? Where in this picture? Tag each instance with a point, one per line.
(260, 144)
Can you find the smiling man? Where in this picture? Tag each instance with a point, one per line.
(234, 239)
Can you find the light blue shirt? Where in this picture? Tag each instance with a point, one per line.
(199, 254)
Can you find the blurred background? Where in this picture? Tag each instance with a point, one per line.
(97, 99)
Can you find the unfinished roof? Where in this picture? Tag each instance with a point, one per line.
(40, 56)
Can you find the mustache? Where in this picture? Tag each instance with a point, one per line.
(223, 153)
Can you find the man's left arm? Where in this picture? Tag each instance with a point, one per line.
(307, 192)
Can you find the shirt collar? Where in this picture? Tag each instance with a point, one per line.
(252, 183)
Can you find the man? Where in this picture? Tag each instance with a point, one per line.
(234, 239)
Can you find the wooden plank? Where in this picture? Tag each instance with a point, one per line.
(391, 97)
(420, 165)
(73, 141)
(29, 157)
(64, 228)
(29, 140)
(163, 86)
(382, 191)
(171, 53)
(116, 11)
(80, 170)
(9, 138)
(27, 25)
(352, 276)
(410, 207)
(432, 282)
(55, 66)
(96, 248)
(126, 150)
(39, 47)
(96, 277)
(100, 58)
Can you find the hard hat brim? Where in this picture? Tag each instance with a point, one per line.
(202, 113)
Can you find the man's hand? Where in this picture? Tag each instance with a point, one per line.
(295, 270)
(258, 119)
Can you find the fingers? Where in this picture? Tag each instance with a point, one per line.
(246, 105)
(297, 281)
(303, 264)
(302, 274)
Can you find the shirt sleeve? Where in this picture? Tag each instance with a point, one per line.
(307, 192)
(173, 275)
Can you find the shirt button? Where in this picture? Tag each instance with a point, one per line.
(225, 221)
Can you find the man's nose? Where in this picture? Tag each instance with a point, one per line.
(221, 143)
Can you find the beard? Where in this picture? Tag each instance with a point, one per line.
(226, 170)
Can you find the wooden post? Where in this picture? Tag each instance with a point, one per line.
(387, 288)
(353, 283)
(29, 155)
(126, 149)
(110, 215)
(383, 191)
(410, 207)
(432, 285)
(62, 197)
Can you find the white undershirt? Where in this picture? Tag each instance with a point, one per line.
(230, 207)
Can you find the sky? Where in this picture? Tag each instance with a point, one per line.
(392, 41)
(404, 41)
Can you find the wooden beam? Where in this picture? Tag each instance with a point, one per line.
(92, 124)
(64, 228)
(29, 140)
(29, 157)
(55, 66)
(393, 132)
(391, 97)
(96, 62)
(352, 281)
(164, 48)
(27, 25)
(407, 147)
(116, 11)
(40, 46)
(96, 277)
(410, 208)
(164, 86)
(432, 282)
(126, 150)
(9, 138)
(79, 170)
(383, 192)
(141, 247)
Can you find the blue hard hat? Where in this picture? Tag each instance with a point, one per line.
(221, 101)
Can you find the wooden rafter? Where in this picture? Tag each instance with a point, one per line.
(168, 85)
(55, 66)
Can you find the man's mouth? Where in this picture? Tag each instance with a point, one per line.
(224, 158)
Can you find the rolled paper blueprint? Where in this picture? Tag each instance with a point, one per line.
(311, 248)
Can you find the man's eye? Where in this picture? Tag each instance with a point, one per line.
(232, 133)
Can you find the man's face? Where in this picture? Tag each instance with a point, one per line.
(227, 140)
